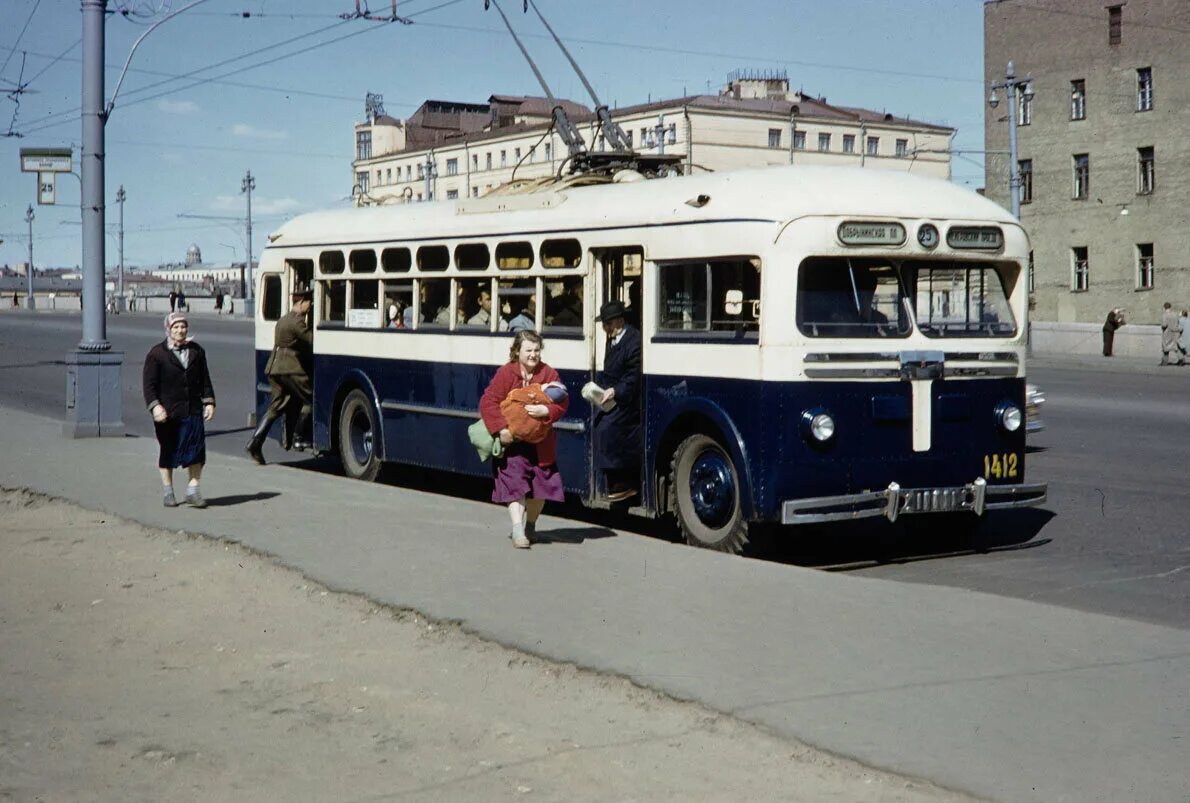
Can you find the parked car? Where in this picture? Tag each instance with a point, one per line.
(1034, 399)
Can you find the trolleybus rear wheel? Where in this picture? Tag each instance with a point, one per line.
(357, 437)
(707, 496)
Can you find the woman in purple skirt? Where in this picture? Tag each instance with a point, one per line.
(526, 475)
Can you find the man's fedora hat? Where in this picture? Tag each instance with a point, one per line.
(611, 310)
(299, 293)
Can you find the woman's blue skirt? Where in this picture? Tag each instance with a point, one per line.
(183, 442)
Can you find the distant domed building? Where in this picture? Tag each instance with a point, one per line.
(193, 255)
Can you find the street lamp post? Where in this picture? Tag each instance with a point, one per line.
(246, 186)
(1011, 86)
(120, 196)
(29, 302)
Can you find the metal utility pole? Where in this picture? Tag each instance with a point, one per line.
(246, 186)
(120, 196)
(659, 134)
(1011, 86)
(93, 386)
(429, 176)
(29, 302)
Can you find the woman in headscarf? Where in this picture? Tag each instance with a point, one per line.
(526, 475)
(180, 398)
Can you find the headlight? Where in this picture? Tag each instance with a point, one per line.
(818, 425)
(1010, 417)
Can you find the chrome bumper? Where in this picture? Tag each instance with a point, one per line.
(974, 497)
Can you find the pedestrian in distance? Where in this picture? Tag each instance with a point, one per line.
(1115, 319)
(182, 302)
(173, 300)
(218, 301)
(1171, 334)
(288, 370)
(526, 475)
(1184, 342)
(617, 427)
(180, 397)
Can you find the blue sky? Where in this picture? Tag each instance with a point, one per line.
(182, 147)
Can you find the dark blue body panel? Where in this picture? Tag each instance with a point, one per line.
(758, 423)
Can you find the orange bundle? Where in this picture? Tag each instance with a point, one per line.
(523, 426)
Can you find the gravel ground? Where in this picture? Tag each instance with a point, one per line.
(140, 664)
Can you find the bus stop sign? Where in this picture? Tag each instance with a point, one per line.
(47, 163)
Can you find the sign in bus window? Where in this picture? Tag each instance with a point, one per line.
(331, 262)
(398, 297)
(851, 297)
(396, 260)
(363, 261)
(472, 256)
(517, 300)
(475, 304)
(561, 254)
(365, 304)
(514, 256)
(334, 300)
(960, 299)
(564, 305)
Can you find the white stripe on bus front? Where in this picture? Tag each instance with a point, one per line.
(922, 414)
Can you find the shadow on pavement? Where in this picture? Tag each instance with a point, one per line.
(240, 499)
(572, 535)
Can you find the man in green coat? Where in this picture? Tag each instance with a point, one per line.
(288, 370)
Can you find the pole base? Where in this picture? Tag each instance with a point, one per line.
(94, 407)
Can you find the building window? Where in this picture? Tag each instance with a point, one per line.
(475, 192)
(873, 146)
(517, 154)
(849, 143)
(628, 139)
(533, 155)
(452, 167)
(361, 179)
(504, 158)
(1025, 168)
(452, 195)
(1146, 170)
(799, 140)
(774, 138)
(420, 171)
(1024, 104)
(1144, 89)
(409, 172)
(379, 175)
(1082, 176)
(388, 175)
(363, 144)
(475, 161)
(487, 160)
(1078, 100)
(1115, 19)
(1144, 266)
(671, 134)
(1082, 269)
(824, 142)
(902, 147)
(549, 151)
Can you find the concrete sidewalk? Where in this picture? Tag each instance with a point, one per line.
(999, 697)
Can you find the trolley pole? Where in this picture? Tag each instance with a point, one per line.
(120, 196)
(29, 302)
(246, 186)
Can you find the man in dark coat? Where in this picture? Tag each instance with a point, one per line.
(617, 431)
(1115, 319)
(288, 370)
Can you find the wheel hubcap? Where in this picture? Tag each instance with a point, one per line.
(712, 489)
(361, 438)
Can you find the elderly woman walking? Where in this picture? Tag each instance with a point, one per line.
(180, 398)
(526, 475)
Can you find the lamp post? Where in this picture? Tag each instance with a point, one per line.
(120, 198)
(29, 302)
(1010, 86)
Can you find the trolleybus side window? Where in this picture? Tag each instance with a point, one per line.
(851, 297)
(398, 297)
(363, 261)
(334, 291)
(270, 304)
(561, 254)
(433, 304)
(721, 295)
(472, 256)
(564, 305)
(960, 299)
(517, 300)
(433, 258)
(396, 260)
(365, 304)
(474, 304)
(331, 262)
(514, 256)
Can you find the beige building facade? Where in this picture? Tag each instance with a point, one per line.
(1102, 146)
(457, 150)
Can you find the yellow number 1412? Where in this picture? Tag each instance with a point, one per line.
(1000, 466)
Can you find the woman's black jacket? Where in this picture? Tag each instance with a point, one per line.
(181, 391)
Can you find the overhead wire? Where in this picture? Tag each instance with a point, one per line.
(20, 36)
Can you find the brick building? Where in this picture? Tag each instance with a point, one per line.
(1102, 147)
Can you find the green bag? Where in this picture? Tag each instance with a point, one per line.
(484, 442)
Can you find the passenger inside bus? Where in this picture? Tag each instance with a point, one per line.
(844, 300)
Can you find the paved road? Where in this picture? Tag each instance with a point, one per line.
(1113, 538)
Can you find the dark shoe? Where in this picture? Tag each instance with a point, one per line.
(257, 442)
(194, 499)
(253, 450)
(170, 500)
(531, 531)
(620, 495)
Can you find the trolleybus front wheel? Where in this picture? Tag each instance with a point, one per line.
(707, 496)
(357, 437)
